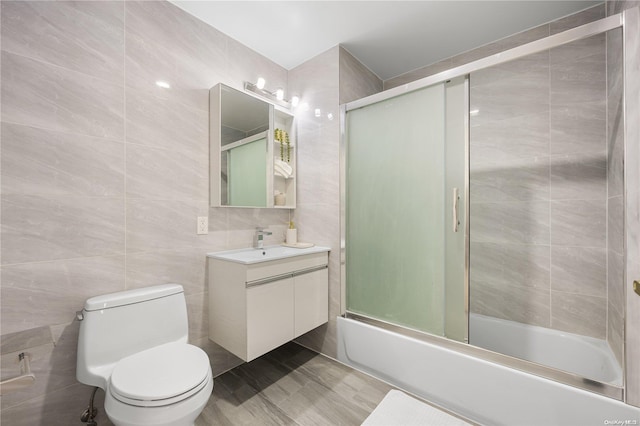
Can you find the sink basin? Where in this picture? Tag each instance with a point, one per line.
(253, 255)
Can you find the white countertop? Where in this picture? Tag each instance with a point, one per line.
(253, 255)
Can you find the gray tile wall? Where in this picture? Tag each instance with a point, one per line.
(539, 188)
(356, 80)
(632, 207)
(103, 176)
(631, 192)
(615, 219)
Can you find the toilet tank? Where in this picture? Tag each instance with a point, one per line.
(120, 324)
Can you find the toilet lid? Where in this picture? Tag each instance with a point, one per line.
(162, 375)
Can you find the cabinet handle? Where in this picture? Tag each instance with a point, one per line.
(275, 278)
(268, 280)
(309, 270)
(456, 197)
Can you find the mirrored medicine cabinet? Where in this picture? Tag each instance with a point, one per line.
(253, 151)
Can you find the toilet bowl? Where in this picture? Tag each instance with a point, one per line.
(166, 385)
(133, 345)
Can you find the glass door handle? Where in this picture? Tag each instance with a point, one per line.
(456, 198)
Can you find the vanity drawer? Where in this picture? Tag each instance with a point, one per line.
(259, 271)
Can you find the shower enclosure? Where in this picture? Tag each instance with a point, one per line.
(483, 208)
(399, 170)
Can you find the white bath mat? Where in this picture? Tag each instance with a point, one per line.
(399, 409)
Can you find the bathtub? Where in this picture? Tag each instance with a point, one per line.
(482, 391)
(585, 356)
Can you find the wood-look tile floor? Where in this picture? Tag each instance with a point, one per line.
(292, 386)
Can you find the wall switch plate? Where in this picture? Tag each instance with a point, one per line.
(203, 225)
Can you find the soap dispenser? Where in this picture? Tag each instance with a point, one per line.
(292, 235)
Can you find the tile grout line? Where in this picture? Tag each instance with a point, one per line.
(548, 55)
(606, 140)
(124, 132)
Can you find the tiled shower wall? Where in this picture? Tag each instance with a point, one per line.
(538, 181)
(546, 190)
(615, 199)
(631, 192)
(104, 174)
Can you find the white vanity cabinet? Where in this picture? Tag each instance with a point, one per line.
(256, 306)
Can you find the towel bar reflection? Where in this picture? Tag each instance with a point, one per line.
(24, 380)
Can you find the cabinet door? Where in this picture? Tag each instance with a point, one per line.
(311, 300)
(269, 316)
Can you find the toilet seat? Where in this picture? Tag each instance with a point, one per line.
(160, 376)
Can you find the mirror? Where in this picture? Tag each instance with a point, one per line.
(249, 151)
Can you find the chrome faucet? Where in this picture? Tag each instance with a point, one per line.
(259, 240)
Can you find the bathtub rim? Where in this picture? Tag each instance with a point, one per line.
(525, 366)
(595, 343)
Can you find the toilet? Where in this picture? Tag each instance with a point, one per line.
(133, 345)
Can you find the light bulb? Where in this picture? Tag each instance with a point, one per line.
(260, 83)
(294, 101)
(318, 112)
(280, 94)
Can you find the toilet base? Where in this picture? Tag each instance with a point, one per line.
(183, 413)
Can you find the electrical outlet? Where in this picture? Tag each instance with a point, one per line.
(203, 225)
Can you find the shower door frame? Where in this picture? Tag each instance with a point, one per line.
(590, 29)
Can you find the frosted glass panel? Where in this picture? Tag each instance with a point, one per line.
(455, 242)
(395, 210)
(248, 174)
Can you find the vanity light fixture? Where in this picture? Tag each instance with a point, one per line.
(294, 101)
(163, 84)
(276, 97)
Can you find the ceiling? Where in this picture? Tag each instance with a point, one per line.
(389, 37)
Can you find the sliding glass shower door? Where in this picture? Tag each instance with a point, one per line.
(400, 205)
(490, 208)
